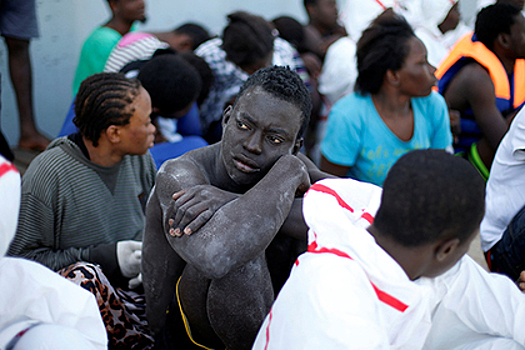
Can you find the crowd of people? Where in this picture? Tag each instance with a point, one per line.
(279, 186)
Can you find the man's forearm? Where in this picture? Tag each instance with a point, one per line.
(242, 229)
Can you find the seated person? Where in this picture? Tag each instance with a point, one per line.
(97, 47)
(216, 211)
(322, 29)
(387, 269)
(393, 110)
(174, 85)
(247, 44)
(503, 225)
(438, 17)
(83, 199)
(484, 79)
(186, 37)
(29, 291)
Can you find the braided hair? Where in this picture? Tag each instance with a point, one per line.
(247, 39)
(103, 100)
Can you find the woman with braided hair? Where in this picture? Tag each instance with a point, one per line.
(83, 199)
(393, 109)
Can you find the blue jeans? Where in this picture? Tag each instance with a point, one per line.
(508, 255)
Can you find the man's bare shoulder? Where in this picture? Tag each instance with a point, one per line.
(188, 170)
(472, 86)
(472, 75)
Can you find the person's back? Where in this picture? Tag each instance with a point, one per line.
(384, 268)
(484, 79)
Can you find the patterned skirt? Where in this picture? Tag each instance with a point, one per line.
(123, 312)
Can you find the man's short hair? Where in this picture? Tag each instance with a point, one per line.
(196, 32)
(247, 38)
(171, 82)
(494, 20)
(285, 84)
(382, 47)
(103, 100)
(430, 195)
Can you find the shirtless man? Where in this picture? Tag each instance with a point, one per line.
(215, 210)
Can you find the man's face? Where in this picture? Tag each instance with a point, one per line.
(517, 36)
(260, 129)
(137, 136)
(130, 10)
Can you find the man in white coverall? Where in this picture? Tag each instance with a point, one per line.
(400, 280)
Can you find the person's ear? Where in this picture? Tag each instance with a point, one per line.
(297, 147)
(446, 249)
(503, 39)
(113, 133)
(392, 77)
(226, 116)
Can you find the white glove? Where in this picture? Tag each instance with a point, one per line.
(129, 256)
(135, 282)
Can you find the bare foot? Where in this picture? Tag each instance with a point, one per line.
(37, 142)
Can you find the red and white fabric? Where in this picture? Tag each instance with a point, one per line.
(346, 292)
(32, 296)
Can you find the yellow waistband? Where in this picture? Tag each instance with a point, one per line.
(186, 323)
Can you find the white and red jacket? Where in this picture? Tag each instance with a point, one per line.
(346, 292)
(30, 293)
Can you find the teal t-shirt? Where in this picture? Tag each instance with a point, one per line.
(357, 137)
(95, 52)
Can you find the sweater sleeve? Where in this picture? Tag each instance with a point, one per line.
(35, 236)
(35, 240)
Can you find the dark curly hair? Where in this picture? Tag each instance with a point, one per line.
(430, 195)
(171, 81)
(382, 47)
(247, 38)
(196, 32)
(101, 101)
(494, 20)
(285, 84)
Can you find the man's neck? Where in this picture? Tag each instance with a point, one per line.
(120, 25)
(508, 62)
(412, 260)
